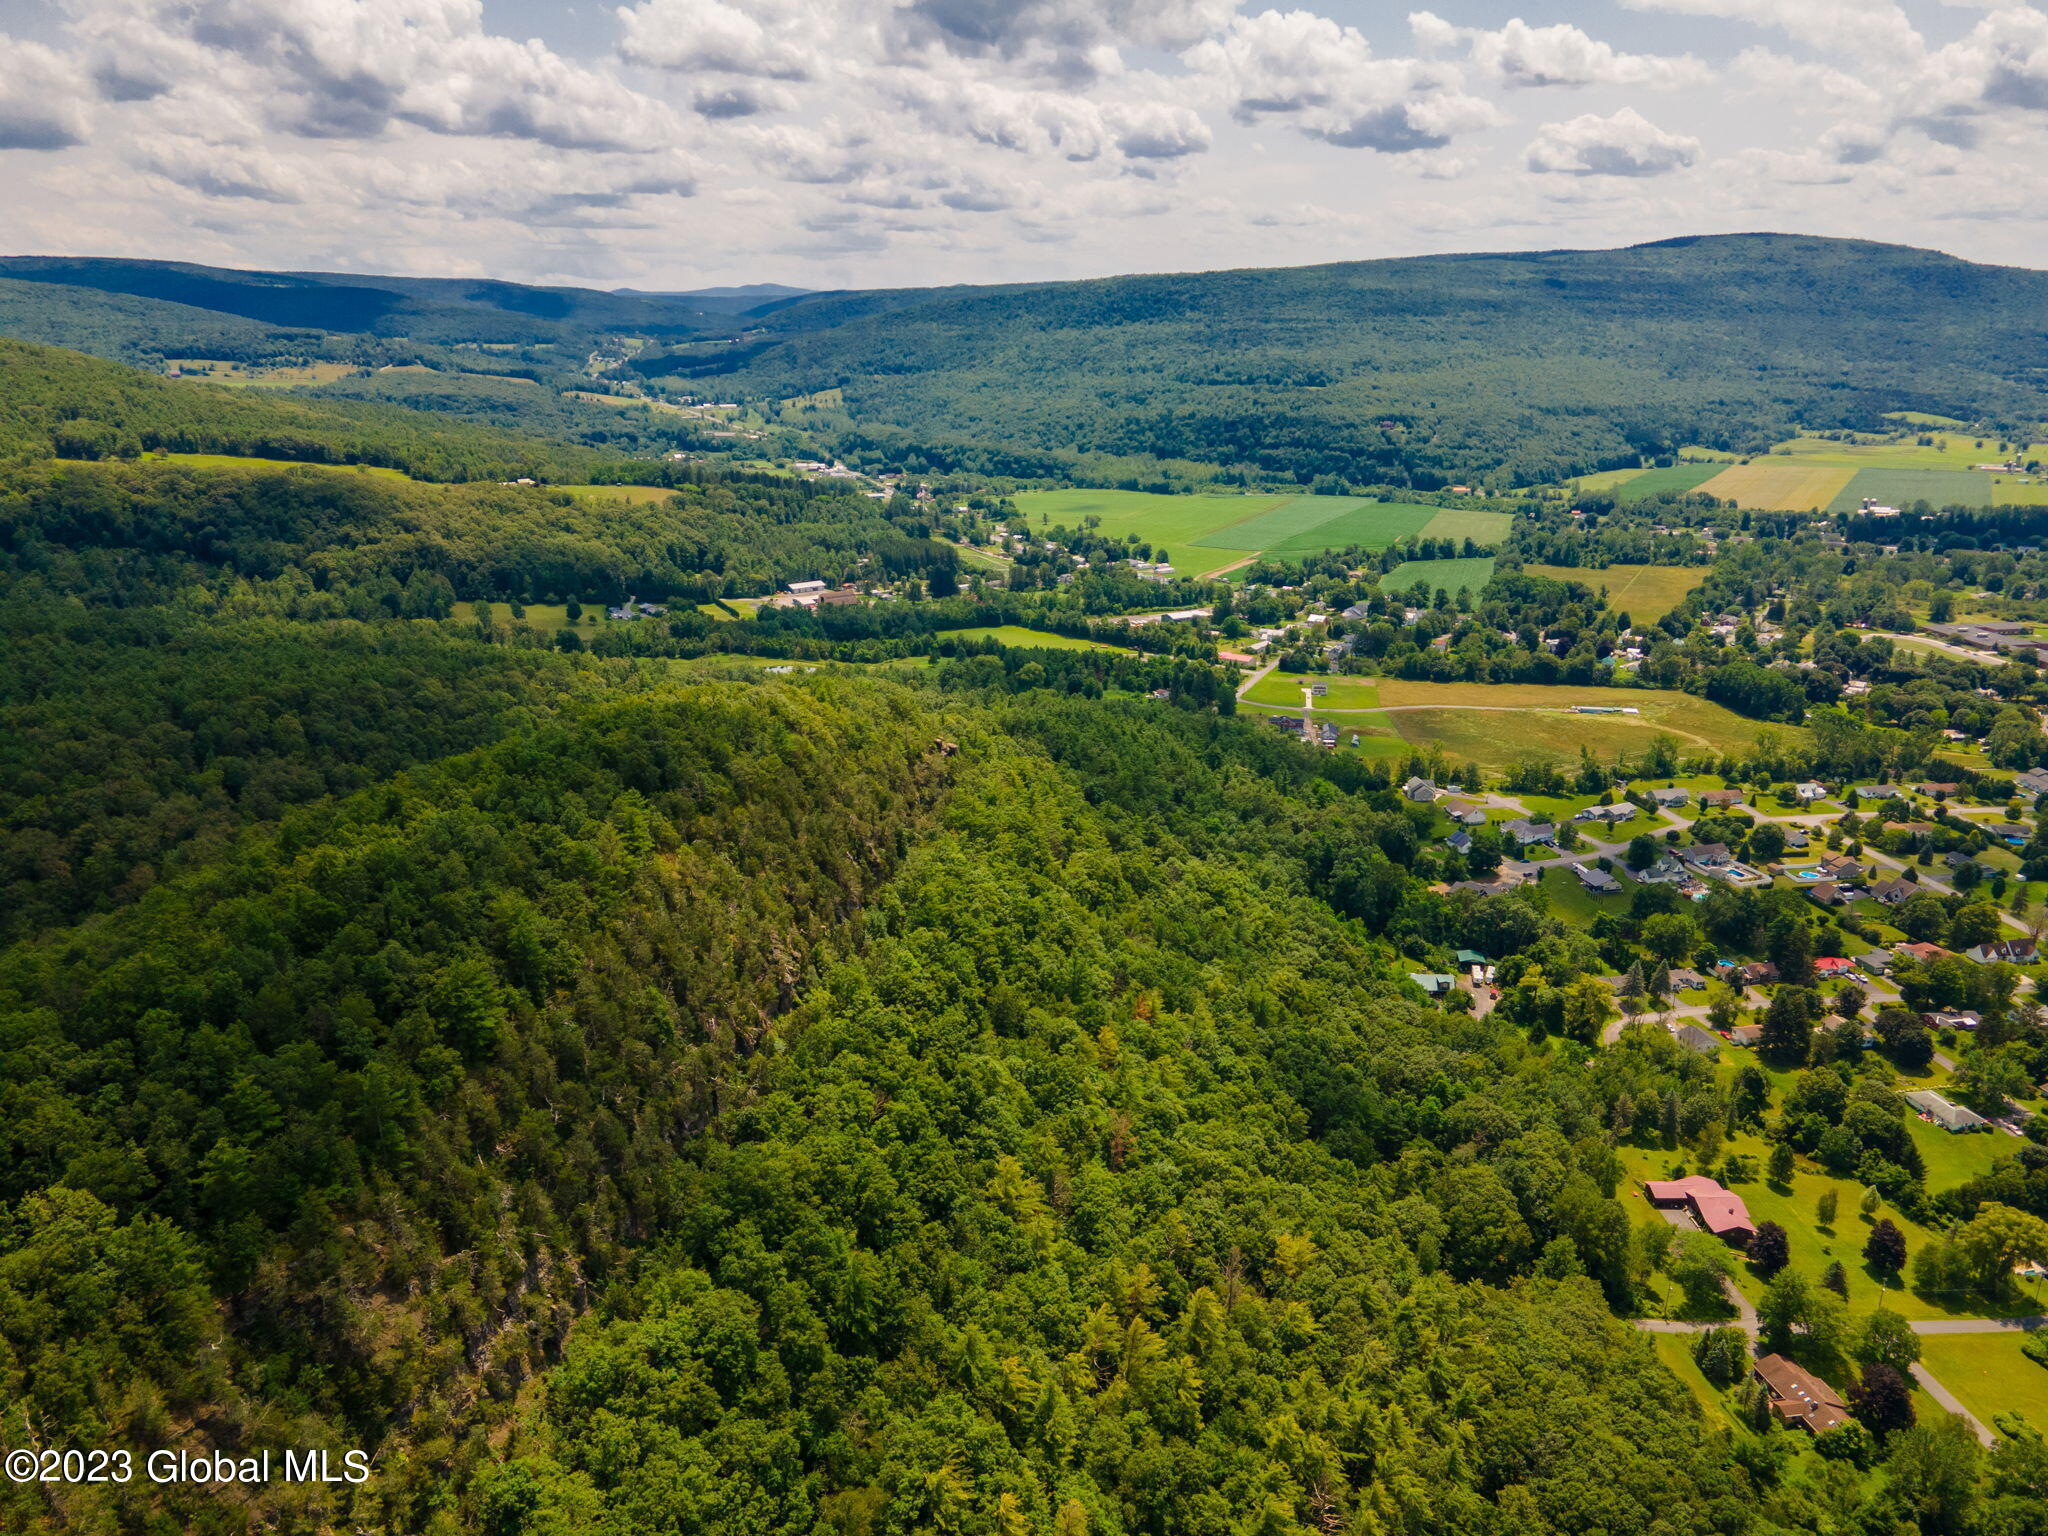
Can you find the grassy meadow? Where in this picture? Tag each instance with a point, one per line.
(1779, 486)
(1660, 482)
(646, 495)
(1500, 724)
(1644, 592)
(1442, 575)
(1031, 639)
(1209, 532)
(1990, 1376)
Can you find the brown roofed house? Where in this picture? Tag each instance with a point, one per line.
(1721, 798)
(1926, 954)
(1798, 1396)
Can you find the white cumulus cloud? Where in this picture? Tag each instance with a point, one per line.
(1623, 144)
(1324, 80)
(1519, 55)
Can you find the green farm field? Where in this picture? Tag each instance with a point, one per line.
(1206, 533)
(241, 461)
(1444, 575)
(1660, 482)
(1644, 592)
(1903, 487)
(1605, 480)
(1779, 485)
(1031, 639)
(647, 495)
(1468, 523)
(1959, 451)
(1498, 725)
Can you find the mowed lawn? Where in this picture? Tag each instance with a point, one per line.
(1441, 575)
(1283, 690)
(1644, 592)
(1990, 1374)
(1779, 485)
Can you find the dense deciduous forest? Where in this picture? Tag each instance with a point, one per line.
(1418, 371)
(624, 1090)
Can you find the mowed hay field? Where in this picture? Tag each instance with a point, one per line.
(1498, 725)
(1644, 592)
(1468, 523)
(648, 495)
(1206, 533)
(1441, 575)
(1778, 486)
(1659, 482)
(1903, 487)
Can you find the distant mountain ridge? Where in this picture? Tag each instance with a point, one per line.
(1418, 370)
(1425, 371)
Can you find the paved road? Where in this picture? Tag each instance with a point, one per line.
(1981, 1325)
(1948, 1400)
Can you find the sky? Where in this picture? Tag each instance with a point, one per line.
(862, 143)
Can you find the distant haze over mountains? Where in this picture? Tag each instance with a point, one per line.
(741, 291)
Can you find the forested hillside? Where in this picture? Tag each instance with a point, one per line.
(54, 401)
(1516, 368)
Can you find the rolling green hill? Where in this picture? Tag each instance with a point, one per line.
(444, 311)
(1517, 368)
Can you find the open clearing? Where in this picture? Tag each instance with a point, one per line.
(210, 370)
(1960, 451)
(1644, 592)
(1665, 481)
(1440, 575)
(1206, 533)
(1032, 639)
(1989, 1374)
(1283, 689)
(1779, 487)
(650, 495)
(1468, 523)
(1296, 518)
(1498, 725)
(241, 461)
(1938, 488)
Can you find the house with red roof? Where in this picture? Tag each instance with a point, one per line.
(1832, 965)
(1717, 1210)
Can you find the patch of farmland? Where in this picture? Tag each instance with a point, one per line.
(1369, 525)
(1668, 480)
(1779, 487)
(1534, 718)
(1296, 518)
(1644, 592)
(1468, 523)
(1605, 480)
(647, 495)
(1172, 523)
(1444, 575)
(1903, 487)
